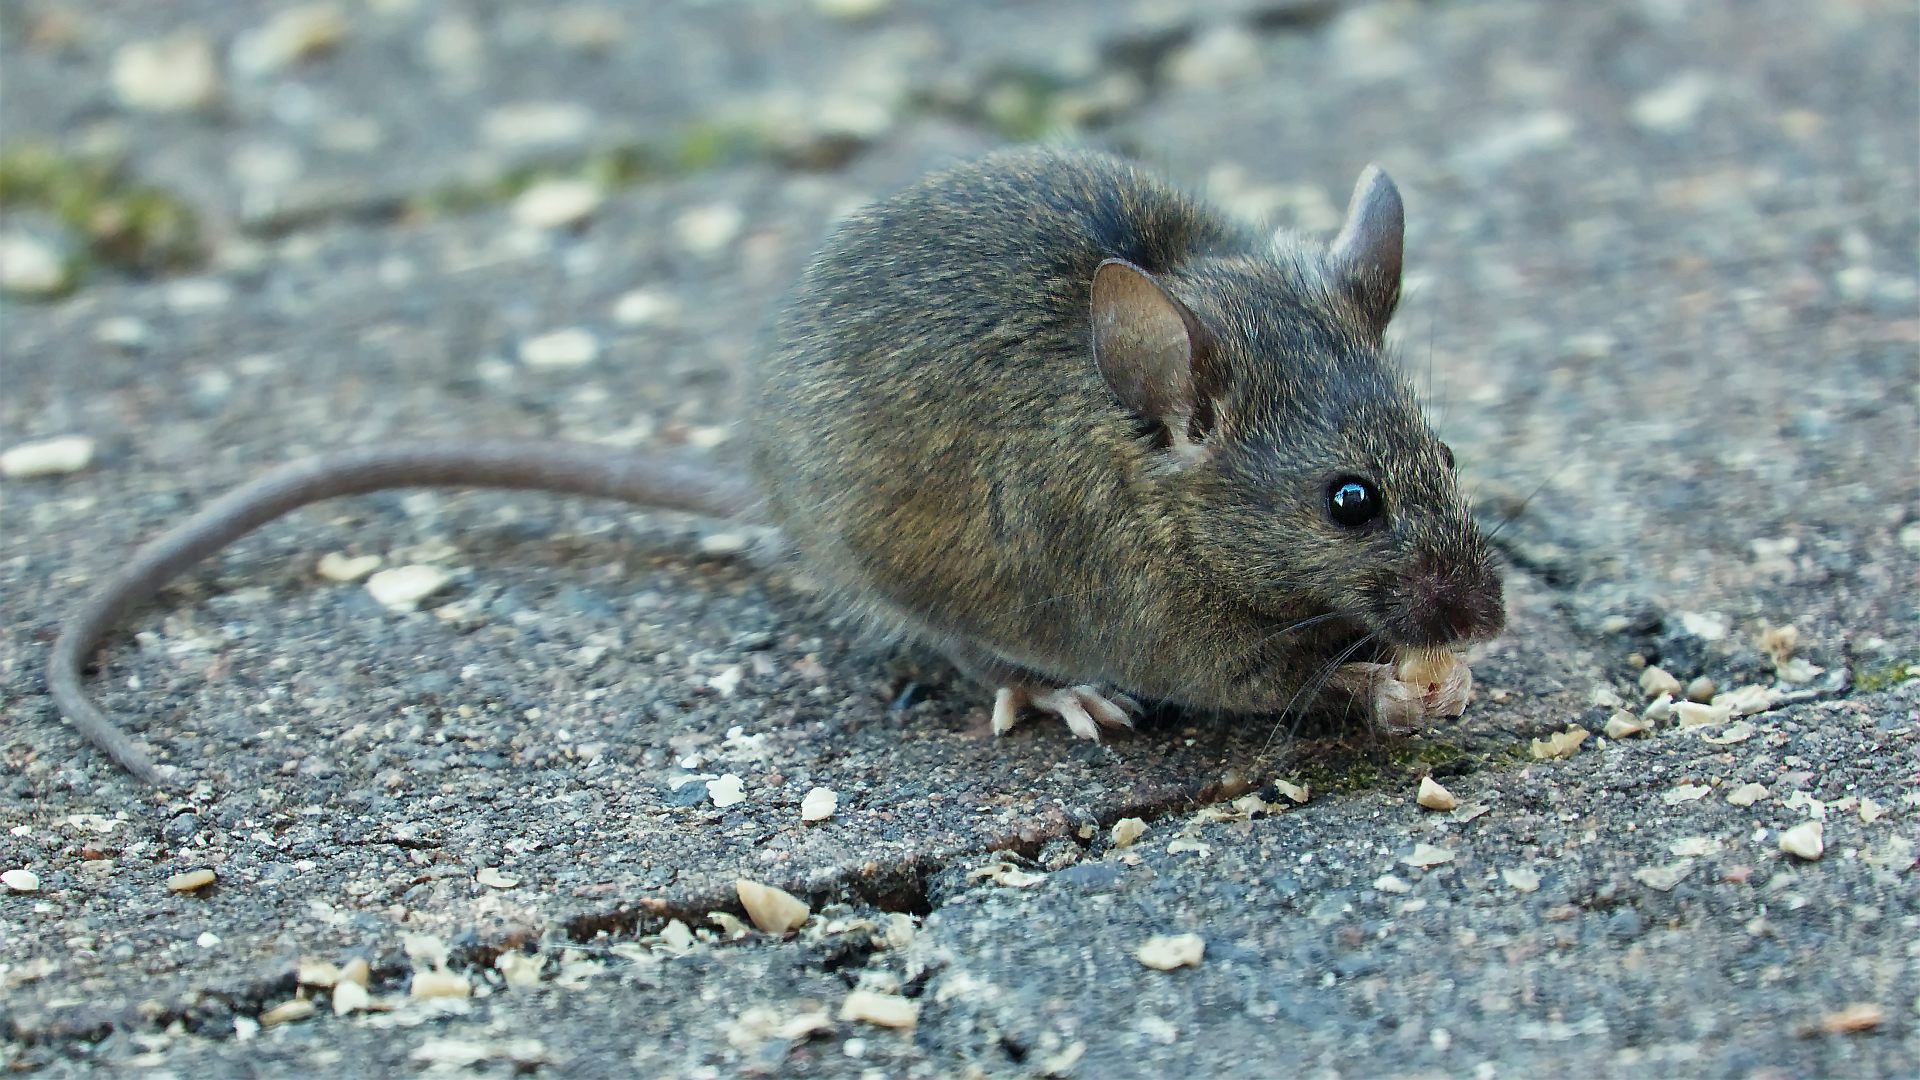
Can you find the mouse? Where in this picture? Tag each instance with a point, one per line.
(1093, 440)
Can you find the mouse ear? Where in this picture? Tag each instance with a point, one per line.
(1148, 345)
(1365, 257)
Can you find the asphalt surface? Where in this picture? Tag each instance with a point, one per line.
(1663, 298)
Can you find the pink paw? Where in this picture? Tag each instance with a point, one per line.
(1085, 708)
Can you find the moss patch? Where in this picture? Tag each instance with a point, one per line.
(130, 226)
(1870, 678)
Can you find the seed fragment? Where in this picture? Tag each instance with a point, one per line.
(774, 911)
(1434, 797)
(819, 804)
(1164, 952)
(1806, 840)
(190, 880)
(883, 1010)
(287, 1012)
(1655, 681)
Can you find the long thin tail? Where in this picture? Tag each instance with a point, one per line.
(565, 468)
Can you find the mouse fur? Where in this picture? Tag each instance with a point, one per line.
(1051, 416)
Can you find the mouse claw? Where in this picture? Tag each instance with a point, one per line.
(1085, 708)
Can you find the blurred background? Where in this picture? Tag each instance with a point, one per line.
(1661, 256)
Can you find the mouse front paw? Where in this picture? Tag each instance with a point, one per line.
(1086, 708)
(1427, 687)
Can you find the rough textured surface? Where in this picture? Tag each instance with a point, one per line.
(1663, 296)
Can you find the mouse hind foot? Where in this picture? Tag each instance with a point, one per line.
(1086, 708)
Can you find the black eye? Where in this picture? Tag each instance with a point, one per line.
(1352, 502)
(1446, 454)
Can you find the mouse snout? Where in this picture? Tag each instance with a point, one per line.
(1443, 605)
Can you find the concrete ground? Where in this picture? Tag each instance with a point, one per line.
(1663, 297)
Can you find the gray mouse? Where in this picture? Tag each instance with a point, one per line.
(1086, 436)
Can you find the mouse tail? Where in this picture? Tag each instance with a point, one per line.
(560, 467)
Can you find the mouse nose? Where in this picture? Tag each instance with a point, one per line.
(1445, 606)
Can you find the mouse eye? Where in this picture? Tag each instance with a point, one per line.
(1352, 502)
(1446, 454)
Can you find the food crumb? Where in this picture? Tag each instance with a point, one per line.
(1127, 830)
(774, 911)
(1434, 797)
(882, 1010)
(1805, 841)
(819, 804)
(1164, 952)
(190, 881)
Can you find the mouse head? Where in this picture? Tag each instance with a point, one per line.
(1286, 446)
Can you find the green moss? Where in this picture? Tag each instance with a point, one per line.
(1869, 678)
(696, 148)
(130, 226)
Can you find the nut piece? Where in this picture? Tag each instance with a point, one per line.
(774, 911)
(287, 1012)
(885, 1010)
(47, 457)
(1434, 797)
(1127, 830)
(1164, 952)
(819, 804)
(1656, 681)
(190, 881)
(1806, 840)
(439, 984)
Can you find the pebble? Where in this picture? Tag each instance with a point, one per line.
(1164, 952)
(296, 34)
(1673, 106)
(1701, 690)
(336, 566)
(122, 332)
(1434, 797)
(492, 878)
(1521, 879)
(21, 881)
(882, 1010)
(47, 457)
(195, 295)
(170, 74)
(570, 347)
(818, 804)
(1747, 794)
(535, 123)
(1664, 878)
(33, 266)
(644, 306)
(403, 587)
(1221, 55)
(190, 881)
(726, 791)
(705, 230)
(1655, 681)
(1126, 831)
(557, 204)
(724, 543)
(1425, 855)
(773, 911)
(851, 9)
(1806, 840)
